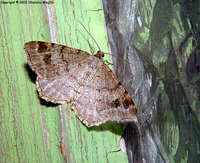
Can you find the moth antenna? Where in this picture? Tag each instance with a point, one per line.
(89, 34)
(99, 47)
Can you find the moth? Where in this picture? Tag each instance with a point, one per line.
(68, 75)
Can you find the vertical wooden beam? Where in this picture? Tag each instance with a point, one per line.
(30, 129)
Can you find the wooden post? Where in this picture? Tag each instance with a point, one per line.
(34, 131)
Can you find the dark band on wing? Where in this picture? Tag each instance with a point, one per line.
(41, 46)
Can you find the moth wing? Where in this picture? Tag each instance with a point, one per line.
(51, 60)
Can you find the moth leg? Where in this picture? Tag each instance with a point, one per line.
(108, 63)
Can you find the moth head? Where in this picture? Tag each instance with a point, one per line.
(100, 54)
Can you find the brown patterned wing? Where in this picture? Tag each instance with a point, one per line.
(64, 89)
(102, 97)
(71, 75)
(51, 60)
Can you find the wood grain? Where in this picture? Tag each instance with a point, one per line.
(34, 131)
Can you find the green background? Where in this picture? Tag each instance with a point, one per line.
(31, 131)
